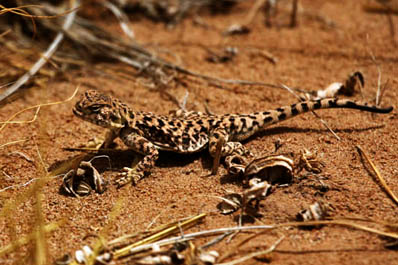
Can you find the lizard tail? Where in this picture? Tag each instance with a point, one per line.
(244, 126)
(273, 116)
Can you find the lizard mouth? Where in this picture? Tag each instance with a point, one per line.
(78, 112)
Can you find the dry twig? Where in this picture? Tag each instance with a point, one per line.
(37, 107)
(378, 175)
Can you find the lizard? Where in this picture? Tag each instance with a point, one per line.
(147, 133)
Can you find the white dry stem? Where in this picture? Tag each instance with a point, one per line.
(191, 236)
(123, 20)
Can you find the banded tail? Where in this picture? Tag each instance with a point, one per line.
(258, 121)
(286, 112)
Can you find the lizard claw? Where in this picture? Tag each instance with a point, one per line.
(126, 176)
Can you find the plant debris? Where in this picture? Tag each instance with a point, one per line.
(308, 161)
(351, 86)
(315, 212)
(236, 29)
(248, 201)
(230, 204)
(81, 181)
(274, 169)
(209, 257)
(225, 56)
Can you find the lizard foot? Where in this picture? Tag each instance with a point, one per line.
(128, 175)
(94, 143)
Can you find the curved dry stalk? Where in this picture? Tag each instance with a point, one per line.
(378, 175)
(35, 107)
(19, 11)
(45, 57)
(14, 142)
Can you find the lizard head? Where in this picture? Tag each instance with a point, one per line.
(101, 109)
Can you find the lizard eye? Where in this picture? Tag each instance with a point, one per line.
(95, 108)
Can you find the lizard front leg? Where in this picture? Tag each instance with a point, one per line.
(110, 136)
(229, 150)
(140, 145)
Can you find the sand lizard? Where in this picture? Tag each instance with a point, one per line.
(146, 133)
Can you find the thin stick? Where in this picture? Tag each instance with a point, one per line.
(123, 19)
(392, 29)
(5, 33)
(378, 85)
(130, 249)
(383, 90)
(254, 254)
(28, 121)
(253, 11)
(293, 17)
(45, 57)
(373, 58)
(191, 236)
(14, 142)
(26, 183)
(215, 240)
(377, 173)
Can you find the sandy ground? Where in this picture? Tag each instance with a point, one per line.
(310, 57)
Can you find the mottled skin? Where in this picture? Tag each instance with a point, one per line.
(146, 133)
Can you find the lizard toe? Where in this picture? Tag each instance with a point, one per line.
(126, 176)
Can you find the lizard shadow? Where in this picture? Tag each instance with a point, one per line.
(285, 129)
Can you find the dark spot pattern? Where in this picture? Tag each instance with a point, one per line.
(243, 121)
(332, 103)
(268, 119)
(317, 104)
(186, 140)
(294, 109)
(161, 122)
(282, 116)
(196, 136)
(304, 106)
(147, 119)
